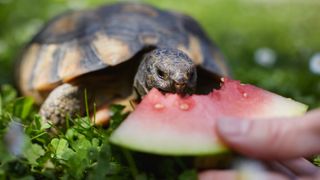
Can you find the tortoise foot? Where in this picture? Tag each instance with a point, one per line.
(64, 101)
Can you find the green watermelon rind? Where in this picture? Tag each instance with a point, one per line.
(212, 149)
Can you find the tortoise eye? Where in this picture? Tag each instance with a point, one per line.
(191, 75)
(161, 74)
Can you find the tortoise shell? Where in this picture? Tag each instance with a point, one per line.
(79, 43)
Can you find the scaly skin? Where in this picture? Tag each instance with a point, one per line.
(169, 70)
(63, 101)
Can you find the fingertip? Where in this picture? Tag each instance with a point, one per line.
(234, 132)
(229, 127)
(277, 138)
(255, 138)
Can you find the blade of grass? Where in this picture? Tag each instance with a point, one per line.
(35, 137)
(86, 102)
(0, 105)
(94, 112)
(132, 165)
(68, 121)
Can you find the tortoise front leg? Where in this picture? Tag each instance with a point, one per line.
(63, 101)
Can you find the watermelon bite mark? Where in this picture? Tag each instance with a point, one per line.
(171, 125)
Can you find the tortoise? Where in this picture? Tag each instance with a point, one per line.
(116, 53)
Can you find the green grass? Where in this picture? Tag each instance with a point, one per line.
(81, 151)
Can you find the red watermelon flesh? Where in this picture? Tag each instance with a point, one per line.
(172, 125)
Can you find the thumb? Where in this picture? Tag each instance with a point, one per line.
(279, 138)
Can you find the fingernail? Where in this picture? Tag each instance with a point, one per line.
(233, 127)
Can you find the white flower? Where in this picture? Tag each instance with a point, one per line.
(15, 138)
(265, 57)
(314, 63)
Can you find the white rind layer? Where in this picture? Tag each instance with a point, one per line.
(168, 141)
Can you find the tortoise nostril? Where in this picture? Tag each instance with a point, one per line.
(179, 86)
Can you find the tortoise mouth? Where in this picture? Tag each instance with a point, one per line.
(204, 86)
(181, 92)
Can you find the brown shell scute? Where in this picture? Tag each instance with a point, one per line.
(80, 42)
(113, 52)
(69, 63)
(66, 24)
(137, 8)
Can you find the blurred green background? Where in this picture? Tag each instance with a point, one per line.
(286, 31)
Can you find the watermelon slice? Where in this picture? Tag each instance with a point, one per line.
(171, 125)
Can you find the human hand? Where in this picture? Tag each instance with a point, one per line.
(281, 142)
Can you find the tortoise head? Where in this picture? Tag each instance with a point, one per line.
(168, 70)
